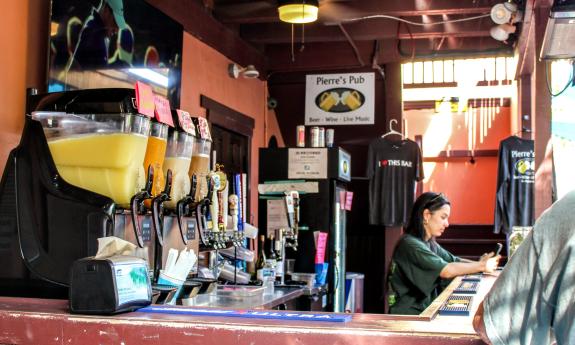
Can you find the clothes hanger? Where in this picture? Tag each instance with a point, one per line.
(523, 130)
(393, 131)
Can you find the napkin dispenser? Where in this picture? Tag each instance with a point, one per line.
(109, 285)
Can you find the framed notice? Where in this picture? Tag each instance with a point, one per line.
(307, 163)
(340, 99)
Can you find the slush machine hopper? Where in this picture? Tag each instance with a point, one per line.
(80, 157)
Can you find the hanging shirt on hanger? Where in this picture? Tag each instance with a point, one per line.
(515, 181)
(393, 167)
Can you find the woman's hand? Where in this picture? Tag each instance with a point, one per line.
(489, 262)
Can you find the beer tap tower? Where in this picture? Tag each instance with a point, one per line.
(315, 181)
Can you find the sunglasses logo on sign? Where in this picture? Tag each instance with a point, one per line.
(340, 100)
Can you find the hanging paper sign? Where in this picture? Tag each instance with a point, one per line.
(185, 121)
(163, 111)
(340, 99)
(144, 99)
(203, 128)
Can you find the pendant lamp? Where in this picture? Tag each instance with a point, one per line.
(298, 11)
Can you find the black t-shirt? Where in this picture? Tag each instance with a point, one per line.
(515, 181)
(392, 169)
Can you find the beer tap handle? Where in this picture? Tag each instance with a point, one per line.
(136, 205)
(210, 189)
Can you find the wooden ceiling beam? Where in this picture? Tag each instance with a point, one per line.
(339, 55)
(197, 21)
(266, 11)
(367, 30)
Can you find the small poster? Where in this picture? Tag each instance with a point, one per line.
(307, 163)
(340, 99)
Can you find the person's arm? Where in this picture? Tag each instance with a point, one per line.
(488, 263)
(479, 326)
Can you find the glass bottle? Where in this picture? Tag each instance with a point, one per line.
(260, 263)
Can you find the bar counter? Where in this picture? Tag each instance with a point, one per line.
(38, 321)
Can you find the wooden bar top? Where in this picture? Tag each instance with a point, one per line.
(40, 321)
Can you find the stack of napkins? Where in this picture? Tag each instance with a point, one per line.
(178, 266)
(111, 245)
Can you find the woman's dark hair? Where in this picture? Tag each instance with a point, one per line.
(427, 201)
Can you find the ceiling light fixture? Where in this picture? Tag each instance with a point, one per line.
(298, 11)
(501, 32)
(503, 13)
(248, 72)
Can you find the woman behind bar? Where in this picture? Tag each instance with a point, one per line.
(420, 267)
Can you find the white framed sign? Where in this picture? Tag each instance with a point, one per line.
(307, 163)
(340, 99)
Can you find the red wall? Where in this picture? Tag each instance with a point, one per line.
(205, 72)
(469, 186)
(13, 14)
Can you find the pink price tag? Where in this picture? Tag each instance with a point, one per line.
(348, 200)
(163, 112)
(144, 99)
(185, 121)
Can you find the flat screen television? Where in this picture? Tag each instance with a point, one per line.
(114, 43)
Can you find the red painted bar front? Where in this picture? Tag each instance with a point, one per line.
(39, 321)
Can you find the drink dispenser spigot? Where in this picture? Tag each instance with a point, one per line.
(186, 207)
(137, 205)
(158, 223)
